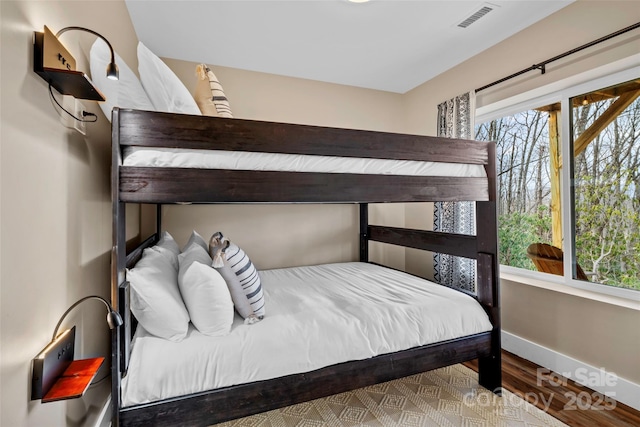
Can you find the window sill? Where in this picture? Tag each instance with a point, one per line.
(558, 284)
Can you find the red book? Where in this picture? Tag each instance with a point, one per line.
(75, 380)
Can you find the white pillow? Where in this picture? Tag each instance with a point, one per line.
(205, 293)
(196, 239)
(172, 250)
(168, 242)
(164, 88)
(155, 297)
(127, 92)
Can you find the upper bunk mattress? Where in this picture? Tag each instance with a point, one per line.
(316, 316)
(243, 160)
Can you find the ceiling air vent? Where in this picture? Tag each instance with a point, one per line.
(475, 16)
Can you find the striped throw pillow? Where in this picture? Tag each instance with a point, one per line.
(209, 94)
(227, 255)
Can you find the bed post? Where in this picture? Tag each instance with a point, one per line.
(489, 367)
(364, 232)
(118, 264)
(118, 335)
(159, 221)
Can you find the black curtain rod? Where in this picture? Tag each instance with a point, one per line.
(542, 65)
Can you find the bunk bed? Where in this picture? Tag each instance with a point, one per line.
(142, 130)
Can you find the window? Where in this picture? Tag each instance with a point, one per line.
(606, 191)
(522, 148)
(596, 224)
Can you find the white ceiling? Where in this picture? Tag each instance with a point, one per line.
(388, 45)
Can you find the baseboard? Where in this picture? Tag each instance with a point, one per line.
(104, 419)
(597, 379)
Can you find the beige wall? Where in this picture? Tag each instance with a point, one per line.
(599, 334)
(56, 209)
(287, 235)
(596, 333)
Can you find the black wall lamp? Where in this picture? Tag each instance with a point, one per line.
(56, 375)
(55, 64)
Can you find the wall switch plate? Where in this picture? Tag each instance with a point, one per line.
(82, 125)
(68, 102)
(75, 107)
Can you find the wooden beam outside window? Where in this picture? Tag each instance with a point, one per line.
(554, 163)
(614, 110)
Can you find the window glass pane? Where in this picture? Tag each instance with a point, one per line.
(606, 190)
(524, 187)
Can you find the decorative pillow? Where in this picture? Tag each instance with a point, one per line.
(202, 93)
(205, 293)
(246, 274)
(195, 239)
(127, 92)
(209, 94)
(155, 297)
(164, 88)
(238, 296)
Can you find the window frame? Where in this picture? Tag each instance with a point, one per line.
(562, 91)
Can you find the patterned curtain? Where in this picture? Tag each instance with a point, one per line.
(455, 120)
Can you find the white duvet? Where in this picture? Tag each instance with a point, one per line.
(316, 316)
(243, 160)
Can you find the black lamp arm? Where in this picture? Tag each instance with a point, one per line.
(113, 318)
(112, 69)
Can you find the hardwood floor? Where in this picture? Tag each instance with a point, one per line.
(565, 400)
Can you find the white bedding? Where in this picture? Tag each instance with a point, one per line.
(317, 316)
(243, 160)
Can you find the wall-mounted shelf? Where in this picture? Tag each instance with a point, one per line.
(55, 64)
(56, 376)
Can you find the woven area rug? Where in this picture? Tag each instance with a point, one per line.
(448, 396)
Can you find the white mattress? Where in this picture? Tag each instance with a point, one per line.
(243, 160)
(316, 316)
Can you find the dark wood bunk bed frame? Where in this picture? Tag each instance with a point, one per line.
(175, 185)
